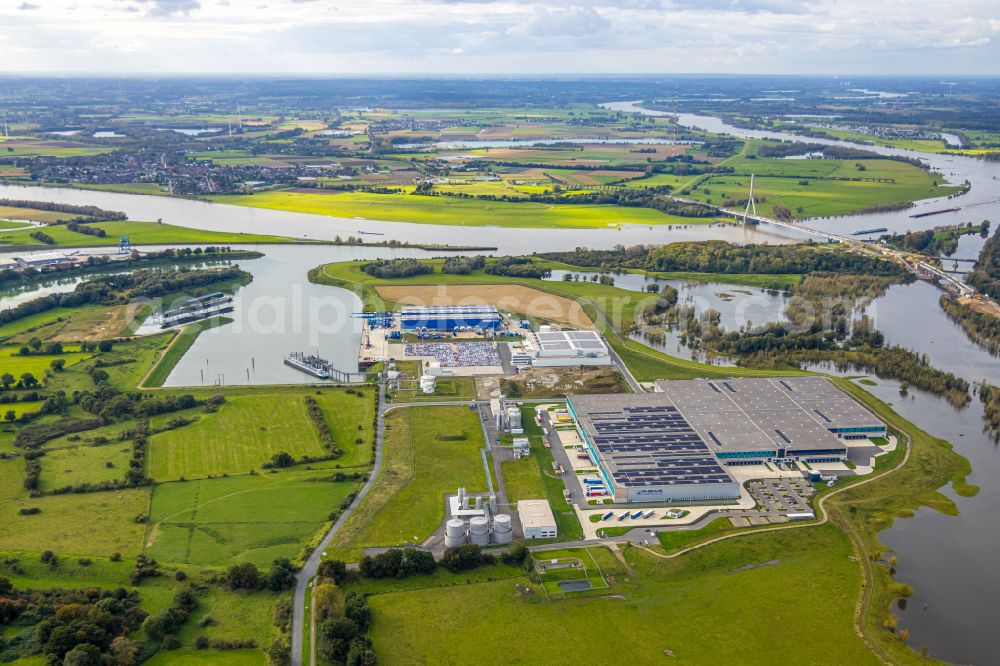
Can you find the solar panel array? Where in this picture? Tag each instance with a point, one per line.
(652, 445)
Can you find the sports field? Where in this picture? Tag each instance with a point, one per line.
(457, 212)
(429, 452)
(702, 608)
(250, 428)
(250, 518)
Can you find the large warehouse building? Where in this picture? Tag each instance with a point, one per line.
(549, 348)
(447, 318)
(675, 444)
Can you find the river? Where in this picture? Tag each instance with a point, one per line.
(951, 561)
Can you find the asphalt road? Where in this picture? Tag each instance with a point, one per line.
(622, 368)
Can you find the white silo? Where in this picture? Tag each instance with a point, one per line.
(493, 502)
(502, 530)
(454, 533)
(479, 531)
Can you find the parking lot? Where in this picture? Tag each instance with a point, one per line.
(786, 495)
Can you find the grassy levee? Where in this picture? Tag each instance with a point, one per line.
(179, 346)
(421, 209)
(867, 509)
(138, 233)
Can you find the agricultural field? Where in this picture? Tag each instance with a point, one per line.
(820, 187)
(28, 147)
(250, 428)
(250, 518)
(693, 608)
(429, 452)
(420, 209)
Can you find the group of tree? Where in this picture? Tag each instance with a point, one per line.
(115, 289)
(247, 577)
(463, 265)
(388, 269)
(723, 257)
(521, 267)
(83, 213)
(398, 563)
(986, 274)
(83, 627)
(981, 327)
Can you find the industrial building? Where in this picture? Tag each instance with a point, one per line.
(549, 348)
(449, 318)
(789, 407)
(675, 444)
(537, 519)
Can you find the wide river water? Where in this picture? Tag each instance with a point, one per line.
(952, 562)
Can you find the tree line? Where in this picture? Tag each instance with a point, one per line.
(723, 257)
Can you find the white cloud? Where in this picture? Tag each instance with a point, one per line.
(503, 36)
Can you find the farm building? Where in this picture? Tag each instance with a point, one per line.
(449, 317)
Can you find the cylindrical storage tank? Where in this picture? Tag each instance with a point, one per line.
(501, 523)
(480, 539)
(455, 528)
(454, 541)
(503, 537)
(479, 526)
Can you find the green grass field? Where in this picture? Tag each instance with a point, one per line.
(250, 518)
(11, 479)
(139, 233)
(88, 524)
(419, 469)
(694, 608)
(76, 465)
(250, 428)
(12, 362)
(522, 478)
(811, 188)
(457, 212)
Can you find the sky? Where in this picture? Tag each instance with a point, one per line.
(358, 37)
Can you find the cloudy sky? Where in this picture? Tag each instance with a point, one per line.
(501, 36)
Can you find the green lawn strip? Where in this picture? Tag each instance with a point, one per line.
(185, 338)
(677, 539)
(695, 607)
(444, 210)
(208, 658)
(253, 518)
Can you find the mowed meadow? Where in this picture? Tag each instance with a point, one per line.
(250, 428)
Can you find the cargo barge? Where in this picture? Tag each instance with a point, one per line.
(936, 212)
